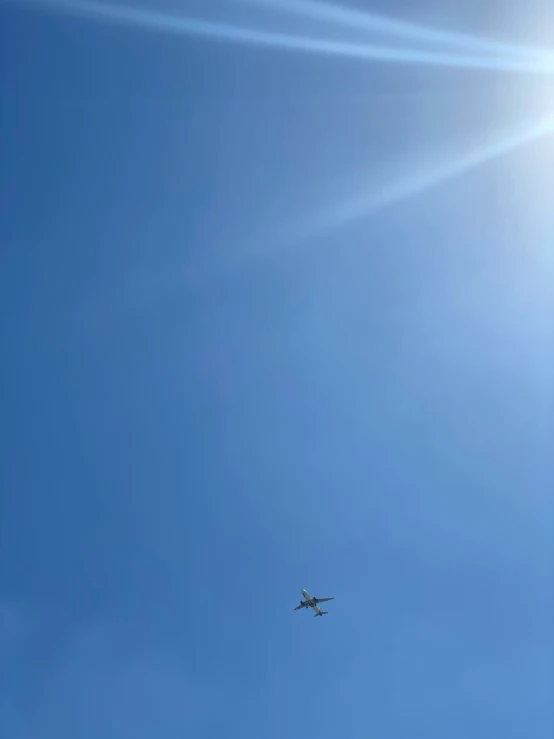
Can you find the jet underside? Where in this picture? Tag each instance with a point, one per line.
(312, 603)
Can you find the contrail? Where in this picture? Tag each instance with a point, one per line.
(360, 207)
(358, 19)
(180, 25)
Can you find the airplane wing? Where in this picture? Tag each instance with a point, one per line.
(322, 600)
(299, 607)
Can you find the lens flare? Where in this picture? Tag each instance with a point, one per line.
(357, 19)
(360, 207)
(185, 26)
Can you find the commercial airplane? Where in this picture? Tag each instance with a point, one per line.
(310, 602)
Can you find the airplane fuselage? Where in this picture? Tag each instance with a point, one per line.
(309, 603)
(312, 603)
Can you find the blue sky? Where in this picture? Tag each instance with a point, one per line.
(275, 319)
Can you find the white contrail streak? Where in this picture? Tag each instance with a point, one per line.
(180, 25)
(360, 207)
(365, 20)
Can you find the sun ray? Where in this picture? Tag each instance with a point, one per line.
(358, 19)
(363, 206)
(180, 25)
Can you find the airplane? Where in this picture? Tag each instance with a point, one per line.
(310, 602)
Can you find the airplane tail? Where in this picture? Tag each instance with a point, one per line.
(321, 613)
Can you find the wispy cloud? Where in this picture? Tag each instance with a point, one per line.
(181, 25)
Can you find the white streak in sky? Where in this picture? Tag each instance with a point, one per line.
(179, 25)
(365, 20)
(360, 207)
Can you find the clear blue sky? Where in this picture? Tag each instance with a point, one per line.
(201, 414)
